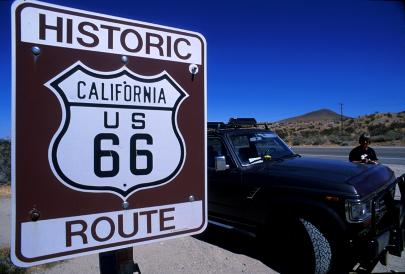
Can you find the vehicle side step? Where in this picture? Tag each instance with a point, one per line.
(229, 227)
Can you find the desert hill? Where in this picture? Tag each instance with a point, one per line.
(323, 127)
(321, 115)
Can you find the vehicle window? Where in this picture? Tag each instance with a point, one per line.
(215, 147)
(251, 147)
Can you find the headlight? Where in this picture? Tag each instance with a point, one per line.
(357, 212)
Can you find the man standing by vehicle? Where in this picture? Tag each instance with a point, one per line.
(363, 153)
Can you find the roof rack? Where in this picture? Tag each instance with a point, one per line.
(242, 122)
(215, 125)
(237, 123)
(234, 123)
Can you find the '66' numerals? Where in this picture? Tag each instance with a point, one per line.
(134, 152)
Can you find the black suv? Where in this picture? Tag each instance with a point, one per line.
(325, 215)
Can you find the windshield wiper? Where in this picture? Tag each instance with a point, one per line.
(262, 159)
(288, 156)
(292, 155)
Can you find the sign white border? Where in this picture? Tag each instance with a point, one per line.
(14, 258)
(132, 42)
(37, 241)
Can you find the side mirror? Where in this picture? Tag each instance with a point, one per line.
(220, 163)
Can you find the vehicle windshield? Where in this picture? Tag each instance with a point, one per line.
(254, 147)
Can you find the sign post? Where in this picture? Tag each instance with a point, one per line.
(109, 133)
(118, 261)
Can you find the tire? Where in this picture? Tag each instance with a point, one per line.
(321, 248)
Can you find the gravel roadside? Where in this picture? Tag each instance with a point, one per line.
(183, 255)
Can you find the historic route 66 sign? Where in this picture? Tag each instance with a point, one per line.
(121, 125)
(109, 133)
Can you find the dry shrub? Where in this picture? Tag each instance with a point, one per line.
(5, 191)
(6, 266)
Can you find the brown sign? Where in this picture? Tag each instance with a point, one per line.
(109, 134)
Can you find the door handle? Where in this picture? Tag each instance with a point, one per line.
(252, 193)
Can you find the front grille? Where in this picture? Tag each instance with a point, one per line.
(381, 204)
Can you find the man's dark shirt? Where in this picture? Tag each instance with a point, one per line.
(360, 154)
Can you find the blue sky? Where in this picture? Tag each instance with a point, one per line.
(272, 59)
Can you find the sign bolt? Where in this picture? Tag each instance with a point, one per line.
(36, 50)
(124, 59)
(35, 214)
(193, 68)
(191, 198)
(125, 205)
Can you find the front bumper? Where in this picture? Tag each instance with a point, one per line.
(391, 239)
(397, 236)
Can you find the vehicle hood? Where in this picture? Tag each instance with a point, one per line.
(321, 175)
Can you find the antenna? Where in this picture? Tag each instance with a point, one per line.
(341, 119)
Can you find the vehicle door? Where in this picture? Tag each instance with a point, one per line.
(224, 196)
(249, 156)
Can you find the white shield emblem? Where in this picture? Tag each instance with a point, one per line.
(118, 131)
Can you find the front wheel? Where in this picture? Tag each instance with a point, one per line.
(296, 246)
(321, 249)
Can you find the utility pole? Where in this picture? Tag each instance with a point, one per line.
(341, 119)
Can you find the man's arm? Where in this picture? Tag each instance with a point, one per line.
(352, 157)
(373, 157)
